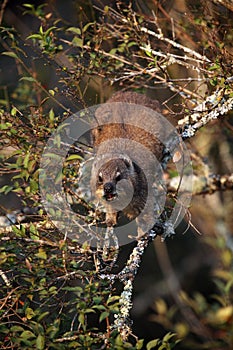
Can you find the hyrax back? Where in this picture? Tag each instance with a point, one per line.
(126, 145)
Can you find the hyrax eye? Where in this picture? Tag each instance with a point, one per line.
(118, 176)
(100, 177)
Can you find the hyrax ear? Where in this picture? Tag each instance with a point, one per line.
(128, 162)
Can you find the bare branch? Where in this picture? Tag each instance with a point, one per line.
(227, 3)
(160, 36)
(212, 108)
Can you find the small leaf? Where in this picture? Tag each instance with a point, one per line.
(28, 6)
(77, 42)
(35, 36)
(31, 79)
(52, 92)
(41, 30)
(26, 159)
(152, 344)
(112, 299)
(5, 126)
(74, 30)
(81, 318)
(224, 314)
(33, 232)
(161, 307)
(168, 336)
(87, 26)
(40, 342)
(99, 307)
(103, 316)
(29, 313)
(48, 31)
(13, 111)
(74, 157)
(89, 311)
(27, 335)
(97, 300)
(16, 329)
(41, 254)
(139, 344)
(6, 189)
(10, 54)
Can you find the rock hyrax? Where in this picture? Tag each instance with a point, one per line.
(127, 153)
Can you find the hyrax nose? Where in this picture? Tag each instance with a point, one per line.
(109, 187)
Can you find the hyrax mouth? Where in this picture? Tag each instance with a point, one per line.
(110, 196)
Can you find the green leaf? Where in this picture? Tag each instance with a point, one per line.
(77, 42)
(19, 231)
(168, 336)
(74, 30)
(89, 311)
(29, 313)
(31, 165)
(6, 189)
(5, 126)
(81, 318)
(35, 36)
(112, 299)
(152, 344)
(99, 307)
(13, 111)
(27, 335)
(10, 54)
(103, 316)
(48, 31)
(87, 26)
(40, 342)
(33, 232)
(41, 254)
(139, 344)
(41, 30)
(74, 157)
(97, 300)
(52, 92)
(43, 315)
(132, 43)
(214, 66)
(33, 186)
(26, 159)
(31, 79)
(28, 6)
(16, 329)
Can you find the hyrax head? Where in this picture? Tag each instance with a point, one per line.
(109, 179)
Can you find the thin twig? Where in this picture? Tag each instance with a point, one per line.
(2, 10)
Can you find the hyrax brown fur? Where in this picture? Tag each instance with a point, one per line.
(124, 167)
